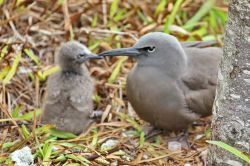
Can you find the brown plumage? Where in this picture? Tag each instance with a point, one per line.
(172, 84)
(68, 103)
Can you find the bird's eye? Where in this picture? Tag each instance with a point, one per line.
(81, 55)
(151, 49)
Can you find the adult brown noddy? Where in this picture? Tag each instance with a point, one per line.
(172, 84)
(68, 103)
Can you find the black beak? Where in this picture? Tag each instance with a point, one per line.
(85, 57)
(131, 52)
(92, 56)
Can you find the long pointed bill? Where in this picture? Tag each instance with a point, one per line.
(92, 56)
(87, 57)
(131, 52)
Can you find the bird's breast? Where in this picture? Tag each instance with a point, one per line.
(142, 92)
(156, 98)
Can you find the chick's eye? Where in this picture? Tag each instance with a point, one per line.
(81, 55)
(151, 49)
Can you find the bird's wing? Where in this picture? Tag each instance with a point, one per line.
(202, 69)
(52, 107)
(200, 79)
(81, 94)
(199, 44)
(53, 89)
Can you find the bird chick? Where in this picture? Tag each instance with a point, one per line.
(68, 103)
(171, 85)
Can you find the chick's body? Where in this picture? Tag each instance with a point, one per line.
(68, 102)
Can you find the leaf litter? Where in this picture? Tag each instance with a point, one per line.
(31, 32)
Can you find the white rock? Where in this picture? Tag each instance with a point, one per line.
(23, 157)
(109, 144)
(174, 146)
(187, 164)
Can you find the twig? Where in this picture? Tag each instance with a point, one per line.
(19, 123)
(120, 95)
(88, 30)
(95, 156)
(157, 158)
(67, 21)
(46, 32)
(149, 136)
(16, 33)
(104, 11)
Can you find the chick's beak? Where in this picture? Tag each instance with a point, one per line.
(88, 56)
(92, 56)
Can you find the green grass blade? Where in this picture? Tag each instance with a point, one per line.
(83, 159)
(131, 121)
(117, 38)
(102, 161)
(47, 150)
(62, 134)
(8, 144)
(39, 149)
(43, 75)
(12, 71)
(1, 2)
(94, 46)
(72, 34)
(96, 98)
(67, 144)
(201, 31)
(113, 8)
(4, 51)
(212, 19)
(117, 69)
(3, 159)
(4, 72)
(32, 56)
(209, 38)
(15, 112)
(142, 138)
(73, 164)
(30, 115)
(60, 2)
(142, 16)
(95, 137)
(50, 71)
(160, 7)
(25, 132)
(205, 8)
(231, 149)
(94, 20)
(171, 18)
(8, 161)
(78, 158)
(222, 15)
(120, 15)
(18, 2)
(60, 158)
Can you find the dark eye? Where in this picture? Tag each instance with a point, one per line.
(81, 55)
(151, 49)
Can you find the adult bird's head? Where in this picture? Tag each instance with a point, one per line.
(72, 54)
(158, 50)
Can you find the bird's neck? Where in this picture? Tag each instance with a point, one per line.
(175, 63)
(173, 68)
(73, 70)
